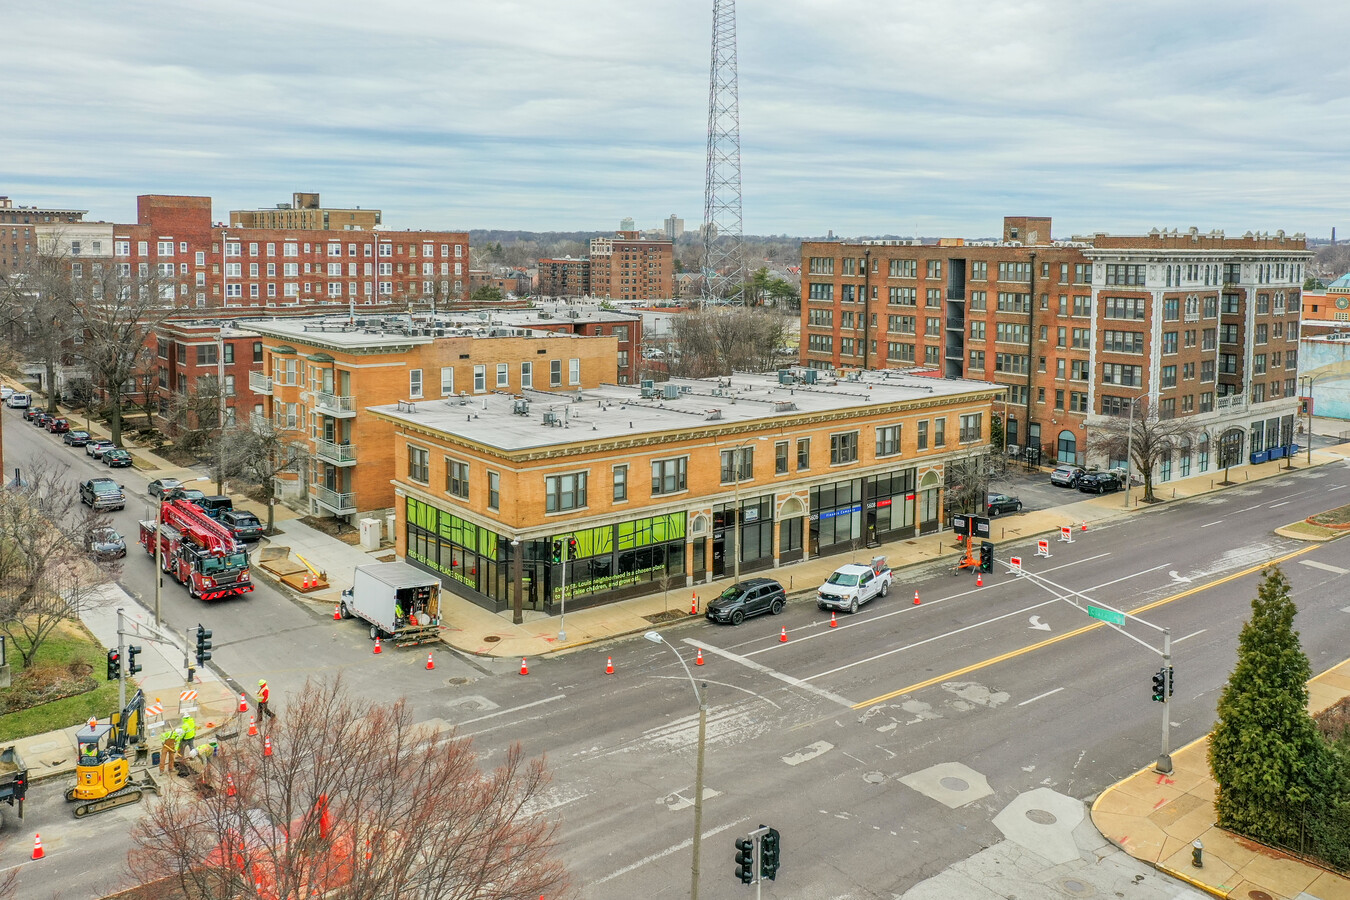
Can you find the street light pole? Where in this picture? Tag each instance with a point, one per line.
(701, 694)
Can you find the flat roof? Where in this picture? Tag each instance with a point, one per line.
(614, 411)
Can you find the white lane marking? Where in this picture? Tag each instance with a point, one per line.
(938, 637)
(1041, 697)
(1178, 578)
(763, 669)
(1325, 567)
(904, 609)
(1250, 508)
(1215, 522)
(1189, 636)
(1335, 487)
(1038, 625)
(502, 712)
(1273, 505)
(648, 860)
(807, 753)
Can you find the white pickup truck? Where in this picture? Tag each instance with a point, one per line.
(852, 585)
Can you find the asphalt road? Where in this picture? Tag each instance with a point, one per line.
(814, 735)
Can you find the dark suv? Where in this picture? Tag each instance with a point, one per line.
(1098, 482)
(747, 598)
(243, 525)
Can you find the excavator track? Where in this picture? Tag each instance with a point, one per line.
(125, 797)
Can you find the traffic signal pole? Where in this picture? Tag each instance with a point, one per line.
(562, 620)
(122, 665)
(1164, 765)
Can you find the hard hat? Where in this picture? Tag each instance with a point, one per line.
(262, 682)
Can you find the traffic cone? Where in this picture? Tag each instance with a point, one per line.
(267, 746)
(252, 726)
(782, 635)
(337, 611)
(698, 660)
(377, 645)
(92, 723)
(243, 702)
(230, 789)
(37, 847)
(431, 663)
(834, 623)
(609, 665)
(979, 580)
(693, 605)
(1084, 528)
(916, 598)
(524, 669)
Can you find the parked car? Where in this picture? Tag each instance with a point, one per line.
(744, 599)
(102, 494)
(31, 412)
(214, 506)
(97, 448)
(40, 419)
(854, 584)
(1066, 475)
(183, 494)
(116, 458)
(162, 485)
(19, 401)
(998, 504)
(5, 393)
(76, 438)
(243, 525)
(58, 426)
(106, 543)
(1099, 483)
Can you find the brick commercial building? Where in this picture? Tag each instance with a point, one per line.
(1201, 325)
(306, 213)
(669, 484)
(18, 234)
(317, 376)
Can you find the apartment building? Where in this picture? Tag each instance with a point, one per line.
(628, 266)
(565, 276)
(317, 376)
(1200, 324)
(18, 231)
(189, 357)
(670, 484)
(215, 266)
(306, 213)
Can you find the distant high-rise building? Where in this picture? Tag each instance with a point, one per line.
(674, 227)
(626, 224)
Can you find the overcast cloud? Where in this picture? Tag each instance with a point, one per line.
(862, 116)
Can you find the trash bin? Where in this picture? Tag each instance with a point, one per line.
(154, 758)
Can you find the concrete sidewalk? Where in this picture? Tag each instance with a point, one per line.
(1156, 818)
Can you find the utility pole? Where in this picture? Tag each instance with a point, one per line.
(122, 664)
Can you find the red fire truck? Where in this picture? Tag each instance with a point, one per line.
(198, 551)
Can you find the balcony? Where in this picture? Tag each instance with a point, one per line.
(336, 454)
(259, 383)
(339, 504)
(956, 293)
(334, 405)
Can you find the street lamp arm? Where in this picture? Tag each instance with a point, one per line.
(657, 638)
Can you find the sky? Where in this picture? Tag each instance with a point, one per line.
(861, 117)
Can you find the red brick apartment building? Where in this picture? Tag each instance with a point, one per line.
(630, 267)
(18, 235)
(187, 355)
(565, 276)
(1200, 324)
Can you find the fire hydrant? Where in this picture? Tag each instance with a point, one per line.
(1197, 854)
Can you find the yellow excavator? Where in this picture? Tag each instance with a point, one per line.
(103, 774)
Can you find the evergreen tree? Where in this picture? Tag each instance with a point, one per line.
(1276, 775)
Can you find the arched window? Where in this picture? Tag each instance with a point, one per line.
(1068, 447)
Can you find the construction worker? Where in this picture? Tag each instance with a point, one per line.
(169, 750)
(89, 754)
(189, 731)
(264, 712)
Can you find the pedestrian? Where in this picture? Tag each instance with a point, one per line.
(264, 711)
(189, 731)
(169, 749)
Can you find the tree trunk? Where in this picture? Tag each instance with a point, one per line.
(51, 386)
(115, 417)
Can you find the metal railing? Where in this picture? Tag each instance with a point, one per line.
(337, 454)
(334, 404)
(259, 383)
(337, 502)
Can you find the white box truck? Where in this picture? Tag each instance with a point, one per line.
(400, 602)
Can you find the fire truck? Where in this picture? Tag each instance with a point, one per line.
(198, 551)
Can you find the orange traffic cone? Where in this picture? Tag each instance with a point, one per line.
(267, 746)
(337, 612)
(693, 605)
(834, 623)
(37, 847)
(377, 645)
(230, 789)
(782, 635)
(1084, 528)
(243, 702)
(252, 726)
(698, 660)
(916, 598)
(979, 580)
(524, 669)
(431, 663)
(92, 723)
(609, 665)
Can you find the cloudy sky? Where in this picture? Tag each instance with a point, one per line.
(934, 117)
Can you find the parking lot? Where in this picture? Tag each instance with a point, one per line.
(1033, 489)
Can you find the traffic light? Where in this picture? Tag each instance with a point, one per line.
(571, 548)
(132, 666)
(986, 557)
(114, 665)
(203, 646)
(1169, 681)
(745, 860)
(769, 847)
(1160, 685)
(557, 551)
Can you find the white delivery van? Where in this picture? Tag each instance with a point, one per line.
(400, 602)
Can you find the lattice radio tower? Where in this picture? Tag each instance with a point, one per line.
(723, 260)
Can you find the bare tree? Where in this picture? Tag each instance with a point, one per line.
(46, 573)
(37, 311)
(355, 803)
(259, 453)
(966, 482)
(195, 414)
(1153, 439)
(726, 339)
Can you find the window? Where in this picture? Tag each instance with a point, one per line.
(229, 385)
(447, 381)
(904, 296)
(977, 330)
(934, 269)
(563, 492)
(932, 326)
(940, 428)
(932, 356)
(780, 458)
(972, 427)
(1259, 364)
(1128, 376)
(457, 478)
(1169, 376)
(1008, 302)
(1262, 333)
(979, 301)
(1013, 363)
(820, 291)
(904, 268)
(574, 371)
(844, 448)
(419, 462)
(888, 440)
(527, 371)
(923, 435)
(670, 476)
(979, 271)
(1014, 271)
(1125, 274)
(1171, 309)
(1125, 341)
(821, 265)
(415, 383)
(1013, 333)
(1169, 342)
(503, 375)
(1059, 399)
(620, 484)
(1123, 307)
(206, 354)
(738, 465)
(555, 373)
(977, 360)
(479, 379)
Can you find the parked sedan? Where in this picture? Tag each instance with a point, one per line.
(747, 598)
(58, 426)
(106, 543)
(162, 486)
(97, 448)
(76, 438)
(1066, 475)
(41, 419)
(1098, 483)
(190, 494)
(998, 504)
(116, 458)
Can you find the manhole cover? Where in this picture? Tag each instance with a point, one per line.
(1041, 816)
(492, 639)
(1259, 895)
(874, 777)
(457, 680)
(952, 783)
(1076, 888)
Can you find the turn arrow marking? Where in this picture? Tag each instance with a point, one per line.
(1179, 578)
(1038, 625)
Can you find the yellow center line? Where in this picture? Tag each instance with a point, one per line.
(1002, 657)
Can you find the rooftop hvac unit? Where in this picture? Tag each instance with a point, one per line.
(785, 376)
(521, 407)
(784, 406)
(712, 415)
(670, 391)
(809, 376)
(551, 419)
